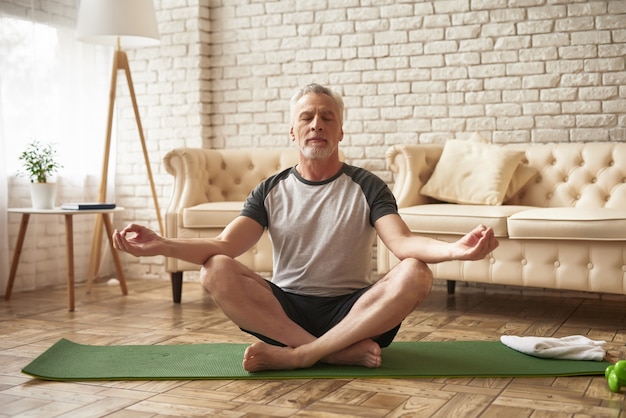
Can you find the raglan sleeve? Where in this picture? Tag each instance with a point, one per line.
(254, 206)
(380, 197)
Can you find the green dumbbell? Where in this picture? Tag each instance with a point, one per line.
(616, 375)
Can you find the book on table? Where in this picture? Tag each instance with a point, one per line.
(87, 206)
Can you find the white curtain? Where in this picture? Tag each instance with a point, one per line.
(4, 236)
(53, 89)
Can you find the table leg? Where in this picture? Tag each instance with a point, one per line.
(94, 260)
(16, 255)
(116, 259)
(69, 242)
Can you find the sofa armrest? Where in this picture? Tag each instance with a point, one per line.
(190, 169)
(413, 165)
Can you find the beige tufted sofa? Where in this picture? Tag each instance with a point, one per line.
(565, 229)
(210, 187)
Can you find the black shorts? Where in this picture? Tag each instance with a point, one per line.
(318, 314)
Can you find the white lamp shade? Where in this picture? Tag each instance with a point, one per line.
(133, 22)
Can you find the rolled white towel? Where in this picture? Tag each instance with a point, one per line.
(575, 347)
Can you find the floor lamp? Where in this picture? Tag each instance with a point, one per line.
(129, 23)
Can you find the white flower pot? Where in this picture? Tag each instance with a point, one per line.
(43, 195)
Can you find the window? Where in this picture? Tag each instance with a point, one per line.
(53, 89)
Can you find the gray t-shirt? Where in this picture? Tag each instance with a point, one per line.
(322, 232)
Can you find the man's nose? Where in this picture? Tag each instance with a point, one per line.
(316, 124)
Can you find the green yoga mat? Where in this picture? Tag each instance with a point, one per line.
(67, 360)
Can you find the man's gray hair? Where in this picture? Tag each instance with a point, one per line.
(316, 88)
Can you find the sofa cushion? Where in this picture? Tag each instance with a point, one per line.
(522, 175)
(595, 224)
(470, 172)
(211, 215)
(448, 218)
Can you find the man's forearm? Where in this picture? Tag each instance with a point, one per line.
(425, 249)
(474, 245)
(196, 251)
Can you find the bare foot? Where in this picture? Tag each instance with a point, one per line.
(261, 356)
(364, 353)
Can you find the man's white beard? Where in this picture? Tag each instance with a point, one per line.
(316, 153)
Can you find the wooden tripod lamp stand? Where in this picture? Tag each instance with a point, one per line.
(116, 22)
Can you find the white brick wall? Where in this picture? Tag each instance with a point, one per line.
(522, 71)
(516, 71)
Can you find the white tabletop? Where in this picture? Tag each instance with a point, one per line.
(59, 211)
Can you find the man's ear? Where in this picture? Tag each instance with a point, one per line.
(291, 134)
(341, 137)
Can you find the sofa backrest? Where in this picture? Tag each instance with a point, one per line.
(234, 173)
(585, 175)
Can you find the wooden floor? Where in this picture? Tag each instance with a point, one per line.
(33, 321)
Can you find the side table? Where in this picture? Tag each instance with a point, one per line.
(69, 241)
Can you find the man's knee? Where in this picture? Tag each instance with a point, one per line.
(416, 274)
(213, 271)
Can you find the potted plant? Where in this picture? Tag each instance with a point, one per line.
(39, 163)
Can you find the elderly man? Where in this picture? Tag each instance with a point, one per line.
(323, 216)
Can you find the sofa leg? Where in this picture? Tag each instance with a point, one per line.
(451, 286)
(177, 286)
